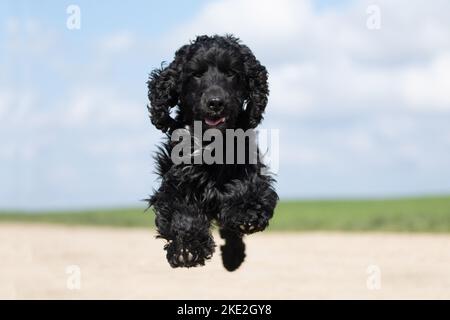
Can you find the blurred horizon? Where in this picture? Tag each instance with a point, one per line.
(363, 113)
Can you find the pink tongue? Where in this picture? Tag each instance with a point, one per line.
(210, 122)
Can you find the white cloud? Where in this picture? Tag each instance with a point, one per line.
(28, 35)
(5, 103)
(120, 147)
(360, 142)
(428, 87)
(252, 20)
(303, 155)
(16, 106)
(63, 173)
(289, 87)
(100, 106)
(392, 127)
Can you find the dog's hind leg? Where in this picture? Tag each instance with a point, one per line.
(233, 251)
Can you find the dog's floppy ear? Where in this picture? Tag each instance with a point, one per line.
(258, 88)
(164, 91)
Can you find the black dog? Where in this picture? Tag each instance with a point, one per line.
(218, 82)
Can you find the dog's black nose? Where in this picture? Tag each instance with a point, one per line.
(215, 104)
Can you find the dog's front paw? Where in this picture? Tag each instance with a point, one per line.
(188, 254)
(245, 217)
(253, 224)
(248, 206)
(182, 258)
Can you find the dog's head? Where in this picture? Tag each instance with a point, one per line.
(215, 80)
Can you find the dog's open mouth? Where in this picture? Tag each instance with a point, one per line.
(214, 122)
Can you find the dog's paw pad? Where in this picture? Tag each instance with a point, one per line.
(248, 228)
(188, 254)
(184, 258)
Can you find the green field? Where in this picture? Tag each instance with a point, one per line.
(428, 214)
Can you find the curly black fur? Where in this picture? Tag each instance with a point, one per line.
(211, 78)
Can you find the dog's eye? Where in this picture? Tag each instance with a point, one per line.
(230, 73)
(198, 74)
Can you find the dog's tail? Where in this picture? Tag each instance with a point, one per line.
(233, 251)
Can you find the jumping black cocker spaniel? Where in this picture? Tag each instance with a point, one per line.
(217, 81)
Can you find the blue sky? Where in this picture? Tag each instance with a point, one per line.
(361, 112)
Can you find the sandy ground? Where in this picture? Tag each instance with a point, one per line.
(130, 263)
